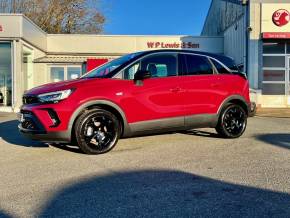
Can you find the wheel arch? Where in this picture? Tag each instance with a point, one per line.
(103, 104)
(235, 99)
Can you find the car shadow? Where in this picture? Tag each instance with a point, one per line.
(163, 193)
(67, 147)
(9, 133)
(201, 133)
(4, 215)
(276, 139)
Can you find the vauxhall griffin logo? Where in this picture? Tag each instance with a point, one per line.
(281, 17)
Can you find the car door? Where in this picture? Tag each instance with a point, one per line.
(201, 84)
(233, 82)
(156, 100)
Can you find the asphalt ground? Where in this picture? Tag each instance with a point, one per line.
(273, 112)
(187, 174)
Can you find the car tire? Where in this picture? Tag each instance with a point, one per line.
(97, 131)
(232, 121)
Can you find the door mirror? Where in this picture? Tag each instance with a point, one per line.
(141, 75)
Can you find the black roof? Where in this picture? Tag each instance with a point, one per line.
(215, 55)
(228, 61)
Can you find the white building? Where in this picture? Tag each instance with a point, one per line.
(30, 57)
(257, 35)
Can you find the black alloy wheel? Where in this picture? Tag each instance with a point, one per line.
(232, 122)
(97, 131)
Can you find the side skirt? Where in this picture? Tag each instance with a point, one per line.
(201, 121)
(172, 124)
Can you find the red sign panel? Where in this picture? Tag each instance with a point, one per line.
(281, 17)
(276, 35)
(1, 28)
(93, 63)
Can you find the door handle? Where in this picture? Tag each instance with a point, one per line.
(176, 89)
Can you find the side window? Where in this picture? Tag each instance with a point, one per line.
(197, 65)
(130, 71)
(160, 65)
(182, 65)
(220, 68)
(229, 62)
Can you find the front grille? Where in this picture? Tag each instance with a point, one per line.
(29, 124)
(30, 99)
(29, 121)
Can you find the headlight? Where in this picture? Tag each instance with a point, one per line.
(54, 96)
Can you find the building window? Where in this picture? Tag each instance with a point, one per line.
(56, 74)
(288, 48)
(60, 73)
(273, 89)
(5, 74)
(274, 61)
(274, 75)
(275, 79)
(73, 72)
(274, 48)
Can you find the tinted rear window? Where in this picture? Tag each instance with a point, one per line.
(197, 65)
(220, 68)
(230, 63)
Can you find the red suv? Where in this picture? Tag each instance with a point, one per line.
(137, 94)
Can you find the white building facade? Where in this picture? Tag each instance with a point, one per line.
(257, 35)
(30, 57)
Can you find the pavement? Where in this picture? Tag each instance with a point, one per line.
(273, 112)
(187, 174)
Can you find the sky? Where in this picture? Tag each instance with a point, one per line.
(154, 17)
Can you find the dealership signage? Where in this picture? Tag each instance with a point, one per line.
(275, 21)
(281, 17)
(276, 35)
(173, 45)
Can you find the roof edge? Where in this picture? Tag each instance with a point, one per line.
(26, 18)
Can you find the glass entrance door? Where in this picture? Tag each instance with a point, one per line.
(5, 74)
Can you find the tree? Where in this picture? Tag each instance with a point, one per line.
(59, 16)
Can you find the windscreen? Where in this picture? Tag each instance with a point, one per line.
(109, 69)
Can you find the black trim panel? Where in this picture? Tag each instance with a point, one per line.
(159, 124)
(235, 97)
(43, 136)
(201, 121)
(173, 124)
(30, 116)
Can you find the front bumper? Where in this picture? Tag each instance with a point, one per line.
(30, 123)
(61, 137)
(31, 127)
